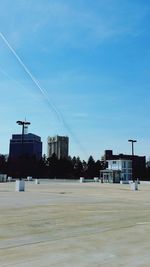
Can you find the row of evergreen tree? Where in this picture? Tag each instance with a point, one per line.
(71, 168)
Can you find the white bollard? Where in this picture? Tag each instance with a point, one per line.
(96, 179)
(29, 178)
(81, 179)
(134, 186)
(20, 185)
(37, 181)
(9, 178)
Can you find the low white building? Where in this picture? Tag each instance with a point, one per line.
(117, 170)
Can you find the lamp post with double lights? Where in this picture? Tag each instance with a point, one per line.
(133, 165)
(132, 141)
(23, 124)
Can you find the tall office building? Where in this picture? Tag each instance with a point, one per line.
(28, 144)
(58, 145)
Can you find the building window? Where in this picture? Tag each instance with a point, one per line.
(130, 164)
(124, 164)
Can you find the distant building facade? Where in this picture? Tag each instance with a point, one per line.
(58, 145)
(117, 170)
(29, 144)
(123, 167)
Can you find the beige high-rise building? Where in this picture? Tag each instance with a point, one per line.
(58, 145)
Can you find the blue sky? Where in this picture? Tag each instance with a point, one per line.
(92, 62)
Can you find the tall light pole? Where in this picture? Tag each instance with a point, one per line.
(23, 123)
(133, 161)
(132, 141)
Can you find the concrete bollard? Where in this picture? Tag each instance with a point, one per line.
(29, 178)
(134, 186)
(20, 185)
(37, 181)
(82, 180)
(9, 179)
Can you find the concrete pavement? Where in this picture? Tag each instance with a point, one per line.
(63, 223)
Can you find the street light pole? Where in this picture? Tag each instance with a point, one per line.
(22, 123)
(133, 160)
(132, 141)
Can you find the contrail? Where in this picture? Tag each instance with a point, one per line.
(30, 74)
(43, 92)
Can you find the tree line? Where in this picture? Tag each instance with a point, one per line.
(71, 167)
(68, 168)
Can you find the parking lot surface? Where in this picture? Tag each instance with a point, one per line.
(70, 224)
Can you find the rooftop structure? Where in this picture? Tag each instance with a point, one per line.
(131, 166)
